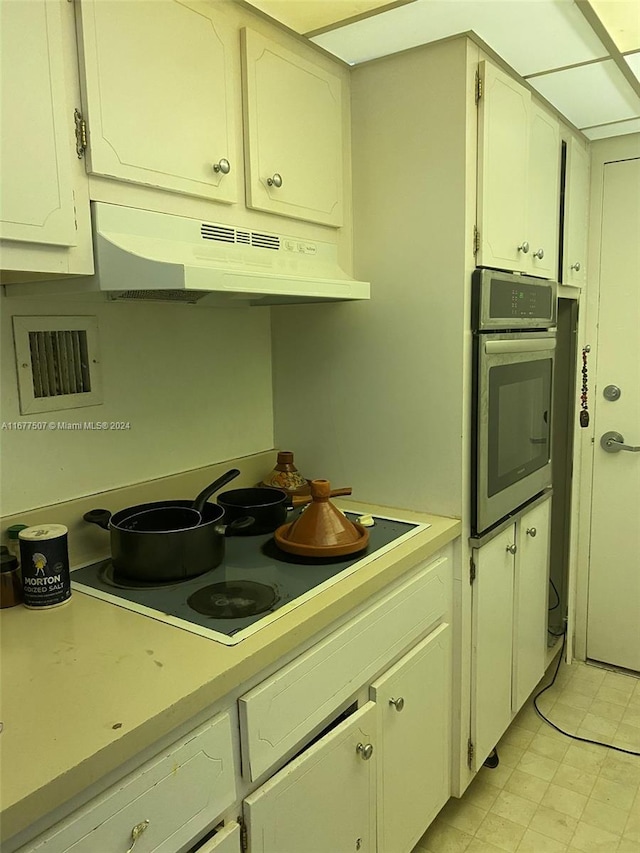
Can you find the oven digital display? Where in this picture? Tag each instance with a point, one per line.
(519, 300)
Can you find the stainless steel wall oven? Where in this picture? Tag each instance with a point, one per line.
(514, 334)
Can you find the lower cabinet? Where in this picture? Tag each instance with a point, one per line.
(509, 626)
(376, 780)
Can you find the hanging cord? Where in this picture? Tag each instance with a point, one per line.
(557, 728)
(557, 604)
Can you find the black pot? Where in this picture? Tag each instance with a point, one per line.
(166, 555)
(268, 508)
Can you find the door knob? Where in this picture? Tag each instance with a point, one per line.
(523, 247)
(576, 266)
(613, 442)
(223, 166)
(531, 531)
(275, 181)
(365, 751)
(512, 549)
(539, 254)
(398, 703)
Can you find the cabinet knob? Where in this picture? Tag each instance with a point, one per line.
(576, 266)
(539, 254)
(365, 751)
(136, 832)
(512, 549)
(523, 247)
(275, 180)
(223, 166)
(398, 703)
(531, 531)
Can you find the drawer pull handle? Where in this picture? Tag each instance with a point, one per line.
(365, 751)
(398, 704)
(136, 832)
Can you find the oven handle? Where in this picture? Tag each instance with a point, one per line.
(519, 345)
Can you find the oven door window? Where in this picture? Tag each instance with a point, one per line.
(519, 421)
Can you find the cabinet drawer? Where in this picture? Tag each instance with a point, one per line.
(279, 714)
(180, 792)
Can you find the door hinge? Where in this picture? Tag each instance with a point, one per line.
(476, 240)
(244, 842)
(81, 133)
(471, 751)
(472, 570)
(478, 87)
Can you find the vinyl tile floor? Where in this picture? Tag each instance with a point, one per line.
(550, 793)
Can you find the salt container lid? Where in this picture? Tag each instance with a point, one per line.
(43, 531)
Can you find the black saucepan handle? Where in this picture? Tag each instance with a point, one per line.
(206, 493)
(101, 517)
(237, 524)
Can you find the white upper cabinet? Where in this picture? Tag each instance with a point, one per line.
(576, 214)
(518, 178)
(36, 201)
(159, 95)
(293, 133)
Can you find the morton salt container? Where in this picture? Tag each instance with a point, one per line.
(44, 560)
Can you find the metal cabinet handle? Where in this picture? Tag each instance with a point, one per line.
(365, 751)
(512, 549)
(531, 531)
(275, 181)
(223, 166)
(613, 442)
(576, 266)
(523, 247)
(398, 703)
(539, 254)
(136, 832)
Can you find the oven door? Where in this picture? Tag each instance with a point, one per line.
(512, 422)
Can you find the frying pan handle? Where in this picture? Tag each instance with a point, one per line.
(206, 493)
(237, 524)
(101, 517)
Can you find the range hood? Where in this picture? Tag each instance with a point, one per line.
(144, 255)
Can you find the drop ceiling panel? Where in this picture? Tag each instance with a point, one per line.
(633, 61)
(531, 35)
(589, 95)
(622, 20)
(619, 128)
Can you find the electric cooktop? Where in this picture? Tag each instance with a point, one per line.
(255, 584)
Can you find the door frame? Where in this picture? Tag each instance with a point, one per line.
(602, 152)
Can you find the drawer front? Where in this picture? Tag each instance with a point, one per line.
(279, 714)
(180, 792)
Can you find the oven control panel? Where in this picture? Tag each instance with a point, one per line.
(509, 301)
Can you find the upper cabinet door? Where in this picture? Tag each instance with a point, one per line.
(503, 148)
(36, 201)
(544, 192)
(576, 217)
(293, 133)
(159, 95)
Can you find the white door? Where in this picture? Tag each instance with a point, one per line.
(613, 618)
(323, 800)
(413, 701)
(530, 602)
(544, 192)
(492, 637)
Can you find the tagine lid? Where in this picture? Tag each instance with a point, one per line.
(322, 530)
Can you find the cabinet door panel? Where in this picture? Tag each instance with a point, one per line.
(544, 192)
(413, 764)
(293, 113)
(36, 202)
(530, 603)
(159, 95)
(322, 801)
(492, 637)
(576, 215)
(503, 147)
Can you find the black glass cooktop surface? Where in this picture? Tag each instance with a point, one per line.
(255, 580)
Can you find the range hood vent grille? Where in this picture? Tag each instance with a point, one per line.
(225, 234)
(190, 296)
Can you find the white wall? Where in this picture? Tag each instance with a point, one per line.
(372, 395)
(194, 383)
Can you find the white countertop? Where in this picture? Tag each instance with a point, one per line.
(88, 685)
